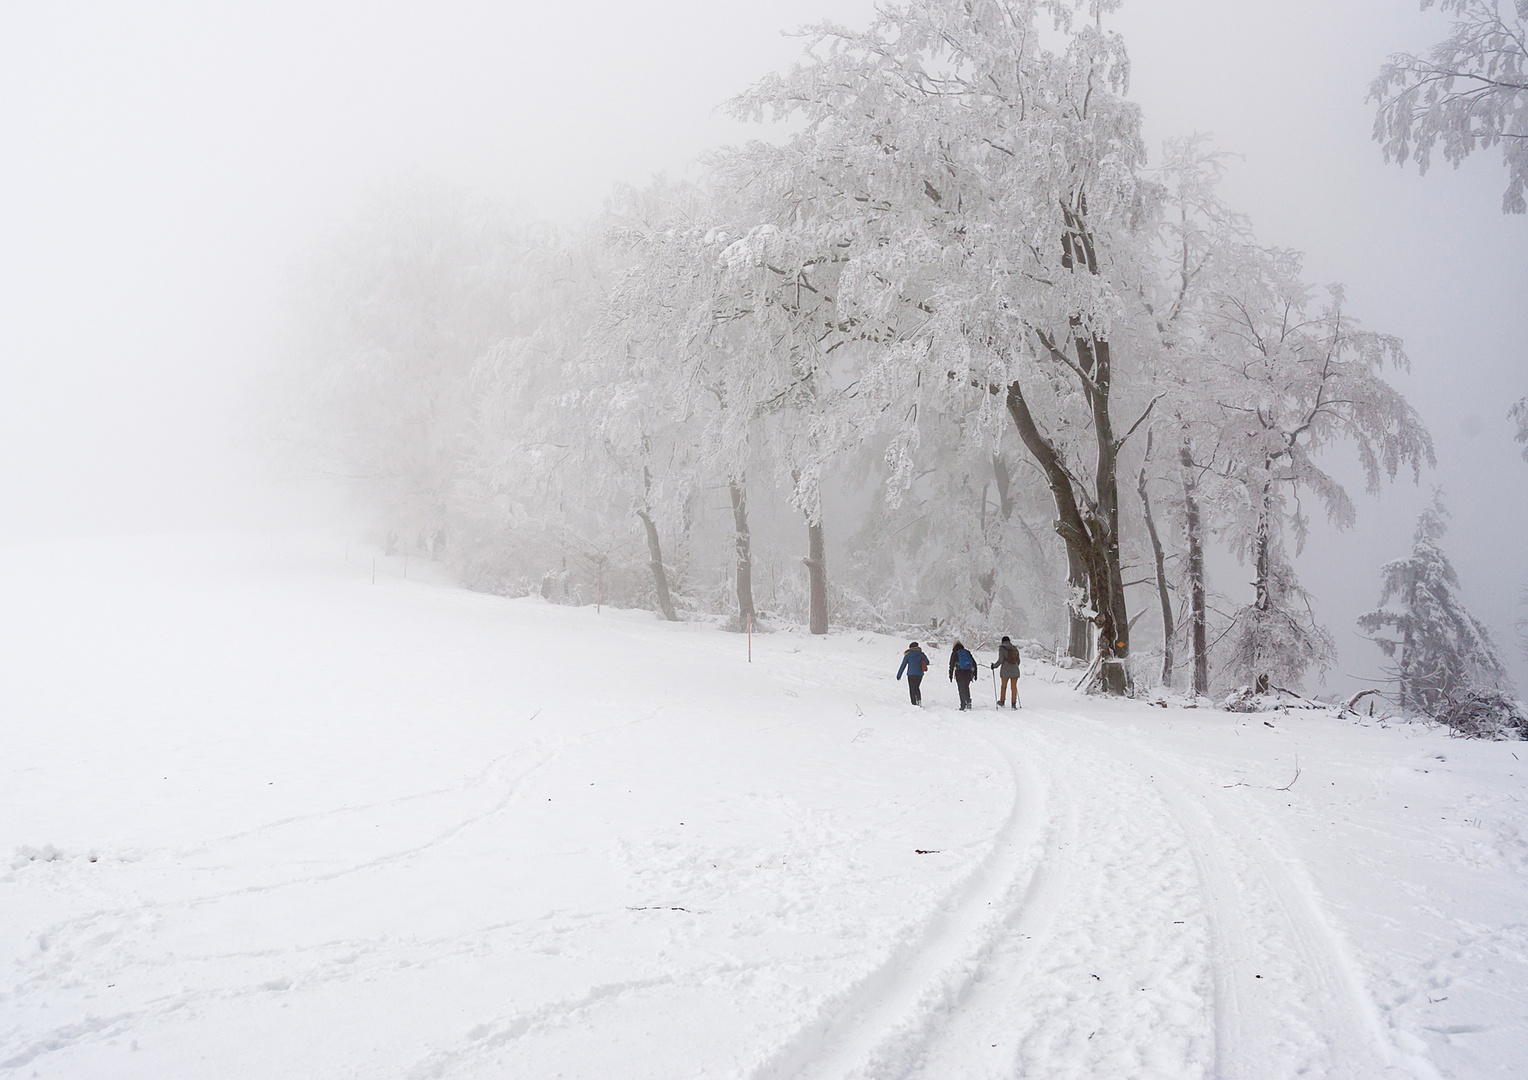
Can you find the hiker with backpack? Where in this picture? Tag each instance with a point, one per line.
(915, 663)
(1008, 660)
(962, 671)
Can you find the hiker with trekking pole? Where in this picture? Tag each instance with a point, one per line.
(1008, 660)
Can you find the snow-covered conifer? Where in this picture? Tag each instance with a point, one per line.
(1439, 650)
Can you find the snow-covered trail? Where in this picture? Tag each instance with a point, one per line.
(264, 818)
(1125, 924)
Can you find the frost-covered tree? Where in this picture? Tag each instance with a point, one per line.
(977, 193)
(1199, 242)
(1519, 413)
(540, 487)
(1468, 92)
(1440, 651)
(395, 313)
(1291, 376)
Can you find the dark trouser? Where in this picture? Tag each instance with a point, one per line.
(914, 687)
(963, 684)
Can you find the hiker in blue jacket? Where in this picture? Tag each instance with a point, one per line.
(915, 664)
(962, 671)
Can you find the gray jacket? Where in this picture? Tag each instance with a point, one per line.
(1008, 660)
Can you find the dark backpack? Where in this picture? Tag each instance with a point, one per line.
(1009, 654)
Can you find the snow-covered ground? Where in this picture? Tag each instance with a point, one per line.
(262, 818)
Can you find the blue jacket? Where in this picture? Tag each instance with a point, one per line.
(913, 660)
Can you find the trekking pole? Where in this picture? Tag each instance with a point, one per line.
(995, 691)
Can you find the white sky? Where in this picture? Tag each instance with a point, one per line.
(163, 165)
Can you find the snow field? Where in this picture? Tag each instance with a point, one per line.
(259, 817)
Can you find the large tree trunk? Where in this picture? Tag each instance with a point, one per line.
(1197, 620)
(1089, 546)
(745, 609)
(817, 577)
(1162, 592)
(1079, 639)
(1092, 539)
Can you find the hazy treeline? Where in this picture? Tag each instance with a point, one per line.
(955, 352)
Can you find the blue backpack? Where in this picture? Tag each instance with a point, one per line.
(964, 661)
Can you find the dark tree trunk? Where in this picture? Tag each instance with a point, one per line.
(655, 551)
(1091, 537)
(1004, 480)
(745, 609)
(817, 577)
(1090, 547)
(1197, 620)
(1162, 591)
(660, 578)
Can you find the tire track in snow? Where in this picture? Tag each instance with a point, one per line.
(1246, 978)
(1328, 985)
(87, 921)
(1114, 985)
(1016, 887)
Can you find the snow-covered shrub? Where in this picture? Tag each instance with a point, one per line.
(1484, 714)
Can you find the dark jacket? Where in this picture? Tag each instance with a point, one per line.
(913, 661)
(962, 660)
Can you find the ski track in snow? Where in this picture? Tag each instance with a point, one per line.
(1024, 970)
(118, 938)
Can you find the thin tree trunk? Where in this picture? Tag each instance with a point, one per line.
(1114, 618)
(655, 551)
(1004, 480)
(817, 577)
(660, 578)
(745, 610)
(1410, 699)
(1197, 618)
(1162, 592)
(1262, 681)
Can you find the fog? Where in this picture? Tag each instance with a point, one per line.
(167, 166)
